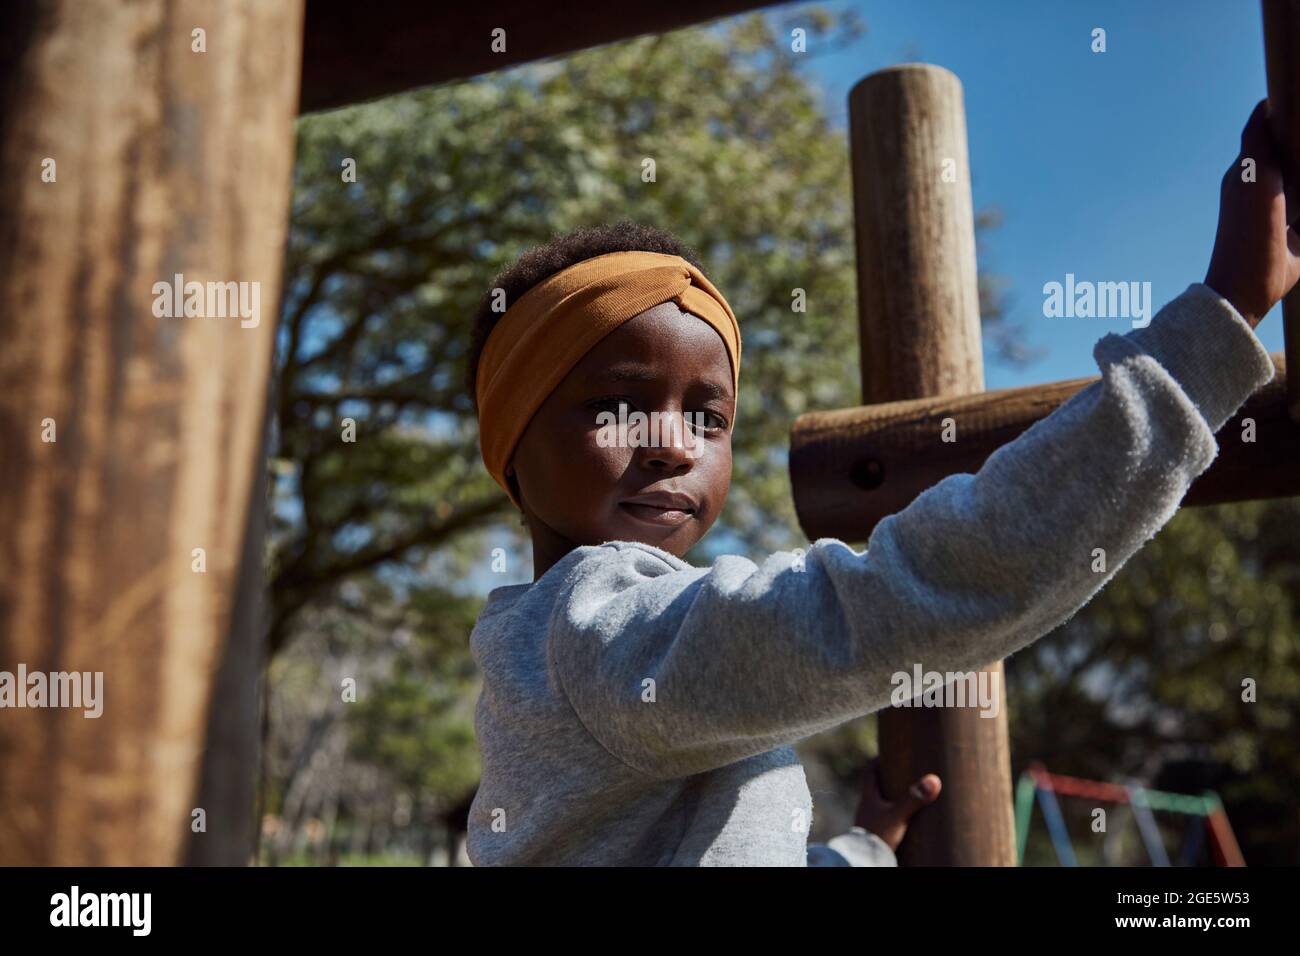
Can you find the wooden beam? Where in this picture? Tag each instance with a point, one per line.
(852, 467)
(131, 436)
(359, 51)
(1282, 67)
(920, 337)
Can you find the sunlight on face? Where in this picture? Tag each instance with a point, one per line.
(668, 492)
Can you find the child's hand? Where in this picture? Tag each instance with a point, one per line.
(1256, 258)
(889, 820)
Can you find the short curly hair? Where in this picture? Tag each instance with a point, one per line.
(556, 255)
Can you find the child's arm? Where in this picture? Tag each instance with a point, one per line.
(680, 670)
(745, 658)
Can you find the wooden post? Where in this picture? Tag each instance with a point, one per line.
(232, 752)
(1282, 66)
(920, 337)
(134, 149)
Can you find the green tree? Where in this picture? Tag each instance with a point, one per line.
(1147, 680)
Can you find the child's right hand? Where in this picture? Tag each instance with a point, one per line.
(888, 820)
(1256, 258)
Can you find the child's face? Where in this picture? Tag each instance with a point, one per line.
(576, 492)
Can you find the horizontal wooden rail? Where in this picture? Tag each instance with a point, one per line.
(851, 467)
(359, 51)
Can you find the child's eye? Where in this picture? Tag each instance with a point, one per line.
(612, 405)
(711, 421)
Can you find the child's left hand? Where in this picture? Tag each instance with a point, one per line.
(889, 820)
(1256, 257)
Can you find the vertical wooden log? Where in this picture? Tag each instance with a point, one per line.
(920, 337)
(167, 161)
(228, 779)
(1282, 66)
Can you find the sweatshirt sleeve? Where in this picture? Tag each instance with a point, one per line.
(676, 669)
(855, 847)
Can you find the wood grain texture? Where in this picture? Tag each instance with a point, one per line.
(920, 337)
(852, 467)
(168, 161)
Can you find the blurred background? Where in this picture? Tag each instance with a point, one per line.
(381, 551)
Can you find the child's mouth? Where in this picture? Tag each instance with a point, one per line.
(654, 514)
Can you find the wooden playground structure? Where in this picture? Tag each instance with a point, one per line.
(175, 162)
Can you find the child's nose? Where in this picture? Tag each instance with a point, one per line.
(673, 442)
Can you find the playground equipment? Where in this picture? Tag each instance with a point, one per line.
(922, 364)
(132, 543)
(1206, 818)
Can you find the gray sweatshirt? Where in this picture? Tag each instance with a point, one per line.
(638, 710)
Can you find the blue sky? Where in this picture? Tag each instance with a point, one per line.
(1106, 165)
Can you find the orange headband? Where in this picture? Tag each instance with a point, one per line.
(543, 335)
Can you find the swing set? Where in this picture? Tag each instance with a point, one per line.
(1207, 821)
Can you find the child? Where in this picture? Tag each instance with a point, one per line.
(637, 710)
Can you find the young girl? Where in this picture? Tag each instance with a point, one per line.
(637, 710)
